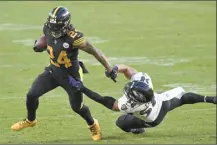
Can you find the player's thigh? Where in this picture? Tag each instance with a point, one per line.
(75, 97)
(172, 98)
(165, 108)
(173, 93)
(42, 84)
(163, 112)
(174, 103)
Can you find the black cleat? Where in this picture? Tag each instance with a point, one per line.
(214, 100)
(137, 130)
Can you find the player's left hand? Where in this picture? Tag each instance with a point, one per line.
(75, 83)
(112, 74)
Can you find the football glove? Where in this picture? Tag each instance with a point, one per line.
(84, 69)
(36, 49)
(75, 83)
(113, 74)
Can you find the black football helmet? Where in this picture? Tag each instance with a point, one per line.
(138, 91)
(58, 21)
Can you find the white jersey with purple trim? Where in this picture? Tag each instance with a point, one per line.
(148, 111)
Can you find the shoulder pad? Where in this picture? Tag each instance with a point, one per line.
(77, 37)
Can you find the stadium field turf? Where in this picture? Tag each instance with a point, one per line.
(174, 42)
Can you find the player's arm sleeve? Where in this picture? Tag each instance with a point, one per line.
(107, 101)
(126, 70)
(78, 38)
(81, 43)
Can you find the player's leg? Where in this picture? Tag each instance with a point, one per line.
(131, 123)
(190, 98)
(76, 99)
(42, 84)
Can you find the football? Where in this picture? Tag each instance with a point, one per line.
(41, 42)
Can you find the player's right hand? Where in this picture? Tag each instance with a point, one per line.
(75, 83)
(113, 74)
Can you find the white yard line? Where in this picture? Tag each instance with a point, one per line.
(59, 96)
(209, 89)
(30, 42)
(113, 113)
(160, 61)
(202, 109)
(18, 27)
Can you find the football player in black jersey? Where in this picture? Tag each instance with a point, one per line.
(63, 44)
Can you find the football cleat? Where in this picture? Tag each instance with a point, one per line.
(214, 100)
(137, 130)
(23, 124)
(95, 130)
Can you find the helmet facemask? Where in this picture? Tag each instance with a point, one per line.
(58, 25)
(138, 92)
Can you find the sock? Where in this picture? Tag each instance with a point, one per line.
(209, 99)
(31, 109)
(85, 113)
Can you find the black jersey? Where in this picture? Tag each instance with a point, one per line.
(62, 51)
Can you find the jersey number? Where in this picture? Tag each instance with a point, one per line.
(143, 79)
(62, 58)
(73, 34)
(146, 112)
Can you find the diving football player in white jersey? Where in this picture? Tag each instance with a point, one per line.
(142, 107)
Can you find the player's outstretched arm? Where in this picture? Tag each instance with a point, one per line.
(109, 102)
(89, 48)
(126, 70)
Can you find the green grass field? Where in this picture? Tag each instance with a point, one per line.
(174, 42)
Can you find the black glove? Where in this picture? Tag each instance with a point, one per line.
(84, 69)
(113, 74)
(75, 83)
(36, 49)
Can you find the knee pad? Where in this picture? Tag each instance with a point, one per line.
(31, 96)
(120, 123)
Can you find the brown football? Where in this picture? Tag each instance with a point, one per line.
(41, 42)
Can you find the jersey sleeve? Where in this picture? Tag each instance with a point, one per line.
(78, 37)
(124, 106)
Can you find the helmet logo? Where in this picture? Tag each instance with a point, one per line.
(65, 45)
(123, 107)
(53, 20)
